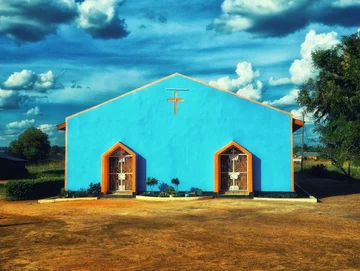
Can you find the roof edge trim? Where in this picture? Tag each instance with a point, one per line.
(184, 76)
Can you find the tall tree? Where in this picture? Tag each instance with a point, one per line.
(333, 96)
(32, 144)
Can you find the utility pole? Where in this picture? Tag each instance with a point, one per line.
(302, 141)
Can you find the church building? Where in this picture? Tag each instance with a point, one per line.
(180, 127)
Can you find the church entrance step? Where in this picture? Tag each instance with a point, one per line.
(120, 194)
(236, 193)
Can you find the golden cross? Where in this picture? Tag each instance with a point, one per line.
(175, 101)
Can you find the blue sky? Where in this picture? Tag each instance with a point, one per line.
(58, 57)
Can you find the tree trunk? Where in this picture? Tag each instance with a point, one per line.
(349, 172)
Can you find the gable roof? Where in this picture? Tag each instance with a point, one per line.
(296, 125)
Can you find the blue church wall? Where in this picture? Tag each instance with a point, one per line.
(182, 145)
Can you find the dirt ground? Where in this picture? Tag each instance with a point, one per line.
(218, 234)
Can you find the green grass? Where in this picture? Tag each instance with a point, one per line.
(2, 191)
(49, 170)
(332, 171)
(52, 169)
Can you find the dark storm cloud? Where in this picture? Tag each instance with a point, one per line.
(10, 99)
(278, 18)
(31, 21)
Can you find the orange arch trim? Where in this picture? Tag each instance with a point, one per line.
(105, 167)
(217, 178)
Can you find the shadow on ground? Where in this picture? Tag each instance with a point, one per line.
(324, 187)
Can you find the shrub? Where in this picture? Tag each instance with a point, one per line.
(318, 170)
(170, 190)
(163, 194)
(198, 192)
(33, 189)
(94, 190)
(163, 187)
(82, 193)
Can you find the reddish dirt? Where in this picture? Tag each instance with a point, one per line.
(219, 234)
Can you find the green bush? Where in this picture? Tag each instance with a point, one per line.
(170, 190)
(33, 189)
(94, 190)
(163, 194)
(198, 192)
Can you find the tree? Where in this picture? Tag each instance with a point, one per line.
(55, 150)
(176, 182)
(151, 182)
(334, 99)
(32, 144)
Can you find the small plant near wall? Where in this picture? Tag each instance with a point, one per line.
(94, 189)
(176, 182)
(198, 192)
(151, 182)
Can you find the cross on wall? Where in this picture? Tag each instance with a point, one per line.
(175, 100)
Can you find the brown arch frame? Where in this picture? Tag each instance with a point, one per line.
(217, 177)
(105, 167)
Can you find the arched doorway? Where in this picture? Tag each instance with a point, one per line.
(233, 169)
(118, 170)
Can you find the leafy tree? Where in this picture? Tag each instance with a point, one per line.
(151, 182)
(55, 150)
(32, 144)
(334, 99)
(176, 182)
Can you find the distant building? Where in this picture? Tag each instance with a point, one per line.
(12, 167)
(308, 155)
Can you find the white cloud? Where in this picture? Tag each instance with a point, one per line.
(279, 82)
(302, 69)
(245, 84)
(345, 3)
(49, 129)
(259, 7)
(298, 114)
(35, 111)
(288, 99)
(101, 18)
(29, 80)
(252, 91)
(9, 99)
(246, 75)
(20, 125)
(21, 80)
(315, 41)
(45, 81)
